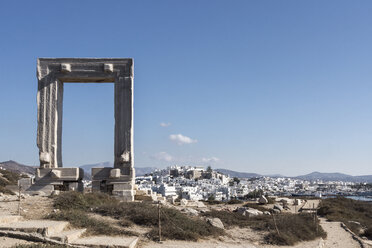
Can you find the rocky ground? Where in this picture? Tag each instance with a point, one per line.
(35, 207)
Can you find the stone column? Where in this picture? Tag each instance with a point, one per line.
(124, 125)
(49, 132)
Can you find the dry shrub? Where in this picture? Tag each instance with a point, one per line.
(76, 200)
(175, 225)
(346, 210)
(235, 201)
(80, 219)
(292, 228)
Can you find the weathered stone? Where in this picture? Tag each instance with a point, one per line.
(276, 211)
(277, 206)
(216, 222)
(201, 204)
(115, 173)
(190, 211)
(52, 74)
(55, 174)
(183, 202)
(252, 212)
(263, 200)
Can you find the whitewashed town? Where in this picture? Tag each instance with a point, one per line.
(199, 183)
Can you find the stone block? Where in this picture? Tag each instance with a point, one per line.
(115, 173)
(122, 186)
(101, 173)
(56, 174)
(109, 68)
(65, 67)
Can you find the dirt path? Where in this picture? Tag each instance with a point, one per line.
(337, 236)
(32, 207)
(10, 242)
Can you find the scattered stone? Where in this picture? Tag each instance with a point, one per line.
(216, 222)
(190, 211)
(263, 200)
(277, 206)
(55, 192)
(276, 211)
(354, 222)
(183, 202)
(252, 212)
(241, 210)
(248, 211)
(201, 204)
(266, 213)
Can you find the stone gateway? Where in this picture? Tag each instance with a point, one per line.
(52, 73)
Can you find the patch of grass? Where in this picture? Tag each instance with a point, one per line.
(75, 207)
(76, 200)
(235, 201)
(6, 191)
(8, 178)
(292, 228)
(175, 225)
(80, 219)
(345, 210)
(11, 177)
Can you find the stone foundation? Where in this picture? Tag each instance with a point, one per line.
(61, 179)
(114, 181)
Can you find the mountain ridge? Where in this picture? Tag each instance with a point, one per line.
(14, 166)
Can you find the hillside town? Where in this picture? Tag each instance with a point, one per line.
(198, 183)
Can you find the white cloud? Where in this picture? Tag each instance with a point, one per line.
(210, 160)
(163, 156)
(165, 124)
(181, 139)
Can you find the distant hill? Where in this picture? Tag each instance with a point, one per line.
(335, 177)
(17, 167)
(140, 171)
(237, 174)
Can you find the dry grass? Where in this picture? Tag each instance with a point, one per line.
(75, 207)
(292, 228)
(7, 178)
(175, 225)
(40, 246)
(81, 219)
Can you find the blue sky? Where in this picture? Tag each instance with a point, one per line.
(256, 86)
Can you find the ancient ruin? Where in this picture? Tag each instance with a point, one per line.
(52, 73)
